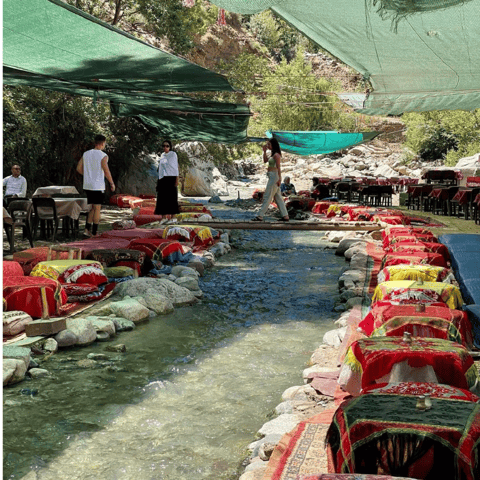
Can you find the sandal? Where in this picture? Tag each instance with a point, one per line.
(257, 219)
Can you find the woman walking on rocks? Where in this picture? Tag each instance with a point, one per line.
(274, 174)
(167, 194)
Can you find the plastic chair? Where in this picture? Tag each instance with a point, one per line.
(21, 212)
(48, 218)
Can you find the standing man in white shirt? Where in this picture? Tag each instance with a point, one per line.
(16, 184)
(94, 167)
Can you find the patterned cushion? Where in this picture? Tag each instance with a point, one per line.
(37, 296)
(91, 274)
(15, 322)
(118, 272)
(110, 258)
(131, 234)
(79, 289)
(102, 292)
(156, 248)
(54, 268)
(145, 219)
(124, 225)
(200, 236)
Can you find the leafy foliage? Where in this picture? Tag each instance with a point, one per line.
(448, 135)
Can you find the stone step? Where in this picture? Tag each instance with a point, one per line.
(49, 326)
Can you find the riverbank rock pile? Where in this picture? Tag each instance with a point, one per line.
(331, 378)
(173, 281)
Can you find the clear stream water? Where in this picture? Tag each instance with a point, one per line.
(194, 387)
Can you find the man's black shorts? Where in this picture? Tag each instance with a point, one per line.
(95, 197)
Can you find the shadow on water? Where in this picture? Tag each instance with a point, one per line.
(269, 282)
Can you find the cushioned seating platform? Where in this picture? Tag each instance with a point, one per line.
(156, 248)
(200, 236)
(96, 243)
(54, 268)
(37, 296)
(473, 312)
(132, 234)
(29, 258)
(144, 219)
(12, 269)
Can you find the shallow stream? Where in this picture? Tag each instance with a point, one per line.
(194, 387)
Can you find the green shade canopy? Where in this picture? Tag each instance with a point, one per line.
(419, 55)
(54, 40)
(51, 45)
(315, 143)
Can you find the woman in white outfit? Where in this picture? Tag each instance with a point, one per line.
(167, 194)
(274, 175)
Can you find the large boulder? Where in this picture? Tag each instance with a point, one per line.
(469, 162)
(141, 176)
(140, 287)
(83, 329)
(130, 309)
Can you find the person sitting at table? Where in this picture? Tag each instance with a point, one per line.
(287, 188)
(315, 183)
(94, 167)
(16, 184)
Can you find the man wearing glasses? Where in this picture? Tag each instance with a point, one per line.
(16, 184)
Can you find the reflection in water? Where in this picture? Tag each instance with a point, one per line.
(194, 386)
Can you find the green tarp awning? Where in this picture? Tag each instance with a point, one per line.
(51, 45)
(55, 40)
(316, 143)
(419, 55)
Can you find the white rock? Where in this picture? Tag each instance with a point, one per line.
(83, 329)
(50, 345)
(335, 337)
(38, 372)
(66, 338)
(181, 271)
(300, 392)
(103, 325)
(130, 309)
(14, 370)
(158, 304)
(280, 425)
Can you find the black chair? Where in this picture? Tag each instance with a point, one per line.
(48, 218)
(21, 212)
(321, 191)
(343, 192)
(386, 192)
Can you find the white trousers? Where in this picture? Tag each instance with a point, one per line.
(272, 192)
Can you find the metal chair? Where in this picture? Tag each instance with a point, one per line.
(47, 218)
(21, 212)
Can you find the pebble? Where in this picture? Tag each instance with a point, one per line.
(119, 348)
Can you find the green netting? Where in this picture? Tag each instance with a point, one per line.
(54, 40)
(316, 143)
(419, 55)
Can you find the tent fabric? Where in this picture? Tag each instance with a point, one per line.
(53, 39)
(52, 45)
(418, 55)
(318, 142)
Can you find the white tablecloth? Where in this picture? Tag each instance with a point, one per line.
(54, 189)
(71, 207)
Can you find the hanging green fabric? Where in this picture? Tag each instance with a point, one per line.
(316, 143)
(419, 55)
(53, 40)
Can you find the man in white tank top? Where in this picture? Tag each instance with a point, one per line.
(94, 167)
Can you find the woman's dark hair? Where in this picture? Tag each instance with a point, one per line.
(275, 146)
(170, 143)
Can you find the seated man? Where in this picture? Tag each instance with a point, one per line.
(16, 185)
(287, 188)
(315, 183)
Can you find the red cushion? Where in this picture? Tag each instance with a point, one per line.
(146, 211)
(29, 258)
(89, 273)
(132, 234)
(98, 242)
(146, 196)
(25, 294)
(157, 248)
(12, 269)
(144, 219)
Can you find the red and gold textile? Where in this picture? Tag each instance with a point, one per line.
(199, 235)
(418, 246)
(156, 248)
(435, 390)
(348, 476)
(428, 273)
(371, 360)
(415, 292)
(186, 215)
(391, 219)
(397, 237)
(387, 434)
(88, 273)
(79, 289)
(95, 243)
(322, 207)
(39, 297)
(54, 268)
(145, 219)
(376, 255)
(12, 269)
(87, 297)
(417, 258)
(196, 208)
(434, 322)
(397, 230)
